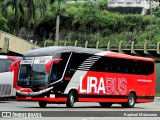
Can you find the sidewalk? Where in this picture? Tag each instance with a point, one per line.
(158, 98)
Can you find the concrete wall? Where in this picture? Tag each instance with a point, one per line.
(15, 44)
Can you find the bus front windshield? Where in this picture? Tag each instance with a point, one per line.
(34, 74)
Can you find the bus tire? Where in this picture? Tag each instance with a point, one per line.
(131, 101)
(70, 100)
(42, 104)
(105, 104)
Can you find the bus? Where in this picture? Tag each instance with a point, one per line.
(7, 81)
(73, 74)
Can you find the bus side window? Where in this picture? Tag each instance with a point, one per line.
(106, 69)
(109, 68)
(54, 77)
(23, 74)
(55, 72)
(119, 68)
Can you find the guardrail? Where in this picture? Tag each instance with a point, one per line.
(119, 47)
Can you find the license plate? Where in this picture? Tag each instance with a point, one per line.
(28, 98)
(52, 95)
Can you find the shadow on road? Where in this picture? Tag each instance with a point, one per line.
(4, 102)
(82, 108)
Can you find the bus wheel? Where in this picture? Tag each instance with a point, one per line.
(131, 101)
(70, 100)
(42, 104)
(105, 104)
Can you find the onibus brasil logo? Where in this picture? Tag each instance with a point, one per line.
(20, 114)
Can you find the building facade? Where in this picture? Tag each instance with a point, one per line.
(144, 4)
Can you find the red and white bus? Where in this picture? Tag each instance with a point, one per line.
(7, 81)
(73, 74)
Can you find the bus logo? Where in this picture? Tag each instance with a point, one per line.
(105, 85)
(6, 114)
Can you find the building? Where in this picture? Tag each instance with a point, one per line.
(143, 5)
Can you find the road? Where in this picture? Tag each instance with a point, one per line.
(82, 111)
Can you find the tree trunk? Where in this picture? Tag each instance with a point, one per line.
(57, 30)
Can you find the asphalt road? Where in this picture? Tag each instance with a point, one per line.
(81, 111)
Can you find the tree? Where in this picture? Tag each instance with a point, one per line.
(17, 7)
(3, 24)
(33, 6)
(58, 14)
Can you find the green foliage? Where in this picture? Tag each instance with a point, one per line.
(82, 21)
(3, 24)
(157, 12)
(12, 10)
(102, 3)
(157, 95)
(106, 32)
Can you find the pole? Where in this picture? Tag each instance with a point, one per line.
(150, 34)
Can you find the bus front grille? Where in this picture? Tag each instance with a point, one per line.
(5, 90)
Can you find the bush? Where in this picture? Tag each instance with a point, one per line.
(3, 24)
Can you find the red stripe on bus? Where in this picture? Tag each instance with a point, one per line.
(41, 99)
(101, 100)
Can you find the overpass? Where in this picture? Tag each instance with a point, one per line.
(145, 49)
(12, 45)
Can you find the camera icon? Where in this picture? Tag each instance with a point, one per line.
(6, 114)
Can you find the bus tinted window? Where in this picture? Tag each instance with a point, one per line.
(4, 65)
(76, 60)
(58, 68)
(79, 58)
(126, 66)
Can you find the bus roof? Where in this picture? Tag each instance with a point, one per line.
(50, 51)
(126, 56)
(46, 51)
(10, 57)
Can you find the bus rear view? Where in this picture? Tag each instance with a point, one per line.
(72, 74)
(7, 80)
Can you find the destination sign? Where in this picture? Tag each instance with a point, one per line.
(26, 61)
(41, 61)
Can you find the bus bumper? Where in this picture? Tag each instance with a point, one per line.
(45, 99)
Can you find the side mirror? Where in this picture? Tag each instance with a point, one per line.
(48, 65)
(14, 65)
